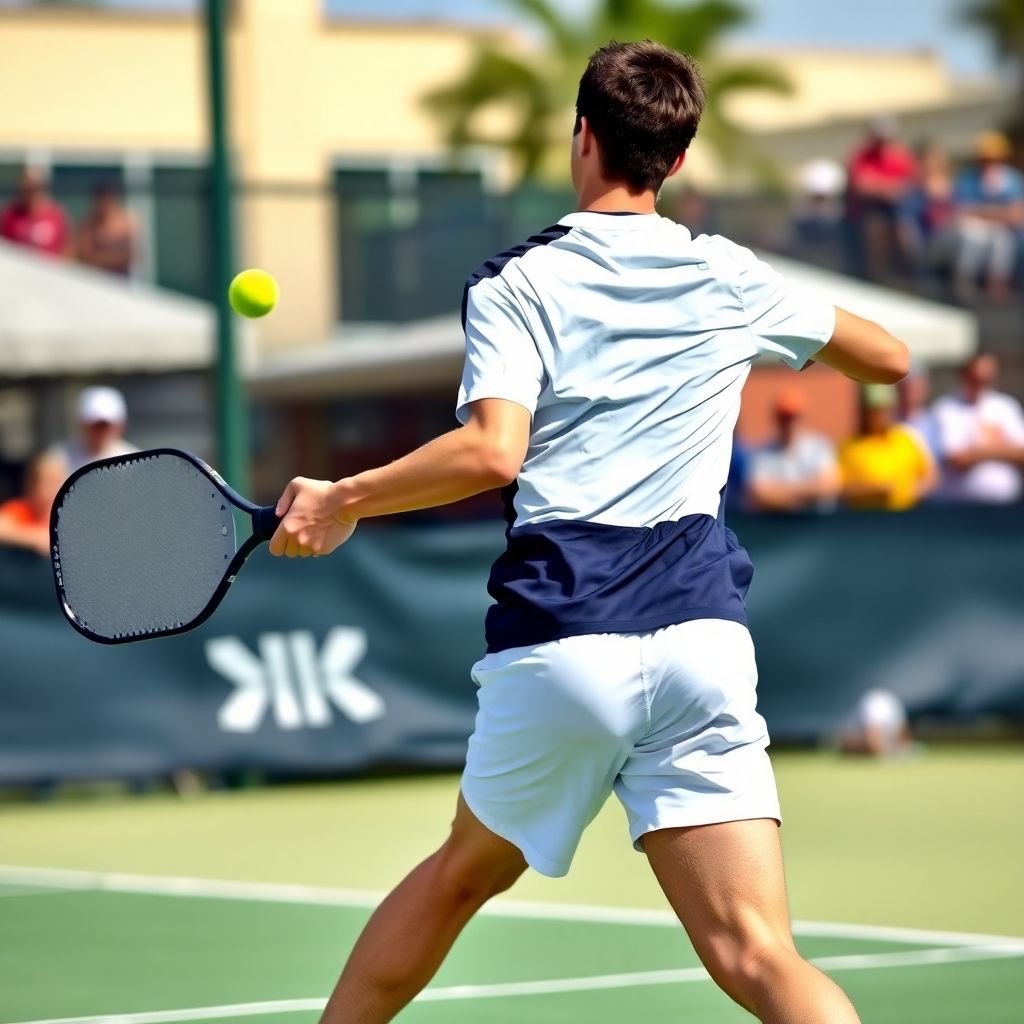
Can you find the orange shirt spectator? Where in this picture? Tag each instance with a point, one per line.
(22, 512)
(33, 219)
(25, 522)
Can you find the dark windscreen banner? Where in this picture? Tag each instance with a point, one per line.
(340, 665)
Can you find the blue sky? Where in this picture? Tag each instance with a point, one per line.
(861, 23)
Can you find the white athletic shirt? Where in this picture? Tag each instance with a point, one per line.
(628, 341)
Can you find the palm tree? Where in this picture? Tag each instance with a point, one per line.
(1003, 21)
(540, 88)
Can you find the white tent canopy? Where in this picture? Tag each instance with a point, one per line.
(936, 334)
(61, 319)
(369, 359)
(410, 357)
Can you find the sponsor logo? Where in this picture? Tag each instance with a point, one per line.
(292, 681)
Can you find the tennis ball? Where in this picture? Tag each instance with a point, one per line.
(253, 293)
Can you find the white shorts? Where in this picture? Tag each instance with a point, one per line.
(668, 720)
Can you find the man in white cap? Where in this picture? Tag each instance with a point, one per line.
(101, 420)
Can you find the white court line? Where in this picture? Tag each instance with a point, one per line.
(555, 986)
(272, 892)
(858, 962)
(194, 1013)
(10, 892)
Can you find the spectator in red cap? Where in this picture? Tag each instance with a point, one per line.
(797, 472)
(33, 219)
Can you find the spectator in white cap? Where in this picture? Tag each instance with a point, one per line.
(102, 416)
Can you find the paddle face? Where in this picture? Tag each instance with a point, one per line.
(143, 545)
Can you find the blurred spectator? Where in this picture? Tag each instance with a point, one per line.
(689, 206)
(913, 393)
(990, 219)
(928, 221)
(880, 177)
(887, 465)
(33, 219)
(25, 522)
(101, 421)
(736, 482)
(878, 727)
(981, 436)
(819, 213)
(797, 471)
(108, 236)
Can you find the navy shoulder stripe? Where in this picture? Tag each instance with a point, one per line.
(494, 266)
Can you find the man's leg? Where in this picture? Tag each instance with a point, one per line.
(411, 932)
(725, 882)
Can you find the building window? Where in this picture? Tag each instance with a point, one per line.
(181, 230)
(407, 239)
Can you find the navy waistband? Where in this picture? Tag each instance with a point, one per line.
(566, 578)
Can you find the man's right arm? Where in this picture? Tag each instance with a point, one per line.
(864, 351)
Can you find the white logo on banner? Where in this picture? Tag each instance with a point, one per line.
(294, 680)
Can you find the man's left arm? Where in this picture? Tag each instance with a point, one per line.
(487, 452)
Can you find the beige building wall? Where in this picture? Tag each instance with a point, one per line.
(100, 80)
(834, 93)
(305, 92)
(837, 83)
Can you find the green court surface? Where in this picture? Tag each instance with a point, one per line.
(906, 880)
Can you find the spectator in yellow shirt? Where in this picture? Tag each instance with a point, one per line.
(887, 466)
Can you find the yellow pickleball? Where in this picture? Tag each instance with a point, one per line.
(253, 293)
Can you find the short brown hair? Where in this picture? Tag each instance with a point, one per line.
(643, 102)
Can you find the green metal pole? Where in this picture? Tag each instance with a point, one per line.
(229, 397)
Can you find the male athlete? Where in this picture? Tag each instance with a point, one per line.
(604, 362)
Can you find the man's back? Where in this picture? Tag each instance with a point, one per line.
(604, 361)
(629, 341)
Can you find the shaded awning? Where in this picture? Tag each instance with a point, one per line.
(368, 359)
(63, 319)
(936, 334)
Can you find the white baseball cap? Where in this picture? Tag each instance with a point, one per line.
(101, 405)
(822, 177)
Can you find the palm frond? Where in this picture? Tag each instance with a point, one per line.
(496, 77)
(698, 28)
(724, 79)
(539, 93)
(1003, 21)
